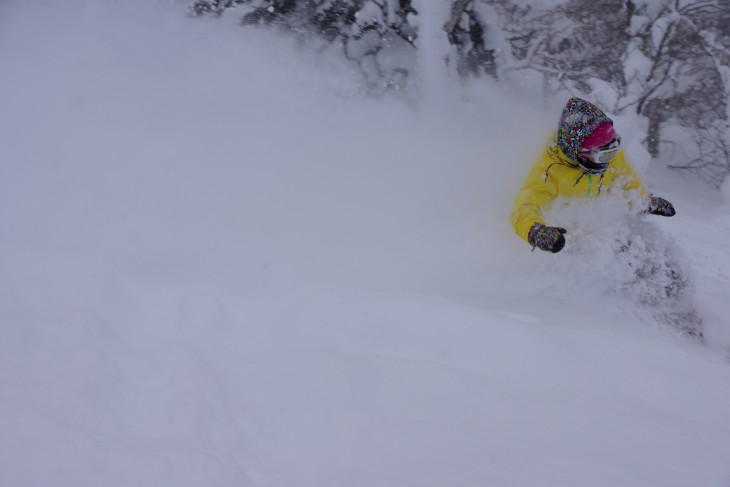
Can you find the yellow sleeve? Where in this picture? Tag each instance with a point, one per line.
(535, 194)
(625, 170)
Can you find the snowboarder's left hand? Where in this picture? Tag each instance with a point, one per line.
(660, 206)
(549, 239)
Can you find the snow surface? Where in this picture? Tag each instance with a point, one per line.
(224, 266)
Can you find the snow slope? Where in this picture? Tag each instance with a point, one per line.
(222, 265)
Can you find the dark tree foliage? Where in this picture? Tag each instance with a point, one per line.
(214, 7)
(371, 32)
(364, 29)
(466, 31)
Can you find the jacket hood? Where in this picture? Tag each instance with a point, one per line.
(578, 120)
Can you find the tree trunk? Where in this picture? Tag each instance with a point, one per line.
(653, 135)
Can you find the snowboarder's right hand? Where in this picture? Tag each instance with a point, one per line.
(549, 239)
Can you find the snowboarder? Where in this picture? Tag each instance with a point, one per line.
(585, 158)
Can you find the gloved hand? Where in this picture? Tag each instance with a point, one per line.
(549, 239)
(660, 206)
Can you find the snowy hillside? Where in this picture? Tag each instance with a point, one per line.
(222, 265)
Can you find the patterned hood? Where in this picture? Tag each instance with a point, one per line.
(578, 120)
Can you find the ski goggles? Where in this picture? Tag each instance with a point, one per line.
(596, 161)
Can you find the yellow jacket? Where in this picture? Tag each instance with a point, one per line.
(553, 176)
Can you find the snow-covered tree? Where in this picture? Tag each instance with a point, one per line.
(379, 35)
(570, 44)
(466, 31)
(668, 61)
(687, 82)
(376, 35)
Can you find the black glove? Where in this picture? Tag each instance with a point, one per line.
(660, 206)
(549, 239)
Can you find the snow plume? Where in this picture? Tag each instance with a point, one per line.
(213, 143)
(222, 265)
(433, 49)
(621, 254)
